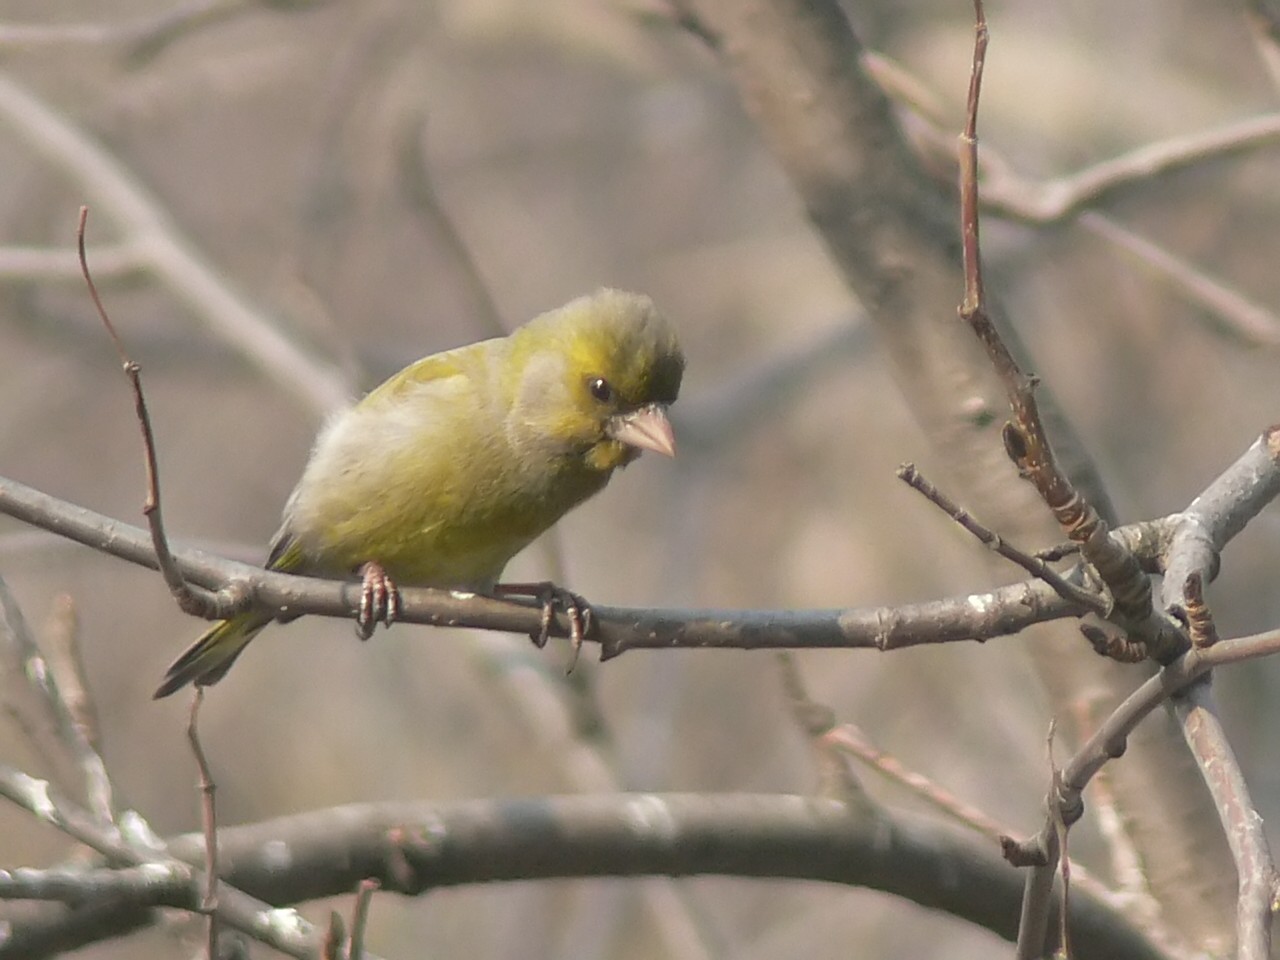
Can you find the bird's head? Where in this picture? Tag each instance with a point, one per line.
(597, 376)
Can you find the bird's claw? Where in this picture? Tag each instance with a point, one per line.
(379, 600)
(551, 598)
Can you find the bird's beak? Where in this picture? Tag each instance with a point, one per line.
(646, 429)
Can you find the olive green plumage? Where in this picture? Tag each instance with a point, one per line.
(456, 463)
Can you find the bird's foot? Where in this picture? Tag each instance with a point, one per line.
(552, 598)
(379, 600)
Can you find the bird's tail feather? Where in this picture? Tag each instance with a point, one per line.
(210, 657)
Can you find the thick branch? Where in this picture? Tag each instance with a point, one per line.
(413, 848)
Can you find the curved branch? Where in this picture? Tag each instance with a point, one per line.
(412, 848)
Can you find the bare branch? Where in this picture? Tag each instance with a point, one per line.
(209, 822)
(1000, 612)
(413, 847)
(1032, 565)
(44, 264)
(1215, 517)
(192, 600)
(282, 929)
(1233, 499)
(1052, 201)
(1240, 819)
(151, 33)
(1247, 321)
(1107, 743)
(35, 699)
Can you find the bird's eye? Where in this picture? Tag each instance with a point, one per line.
(600, 389)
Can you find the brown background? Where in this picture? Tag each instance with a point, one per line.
(576, 144)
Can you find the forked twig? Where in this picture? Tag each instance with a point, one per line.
(1035, 566)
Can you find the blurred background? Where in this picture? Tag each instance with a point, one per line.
(382, 180)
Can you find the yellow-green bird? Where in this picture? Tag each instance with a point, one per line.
(442, 474)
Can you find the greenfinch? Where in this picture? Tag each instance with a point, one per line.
(442, 474)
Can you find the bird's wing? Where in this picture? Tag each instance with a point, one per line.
(438, 366)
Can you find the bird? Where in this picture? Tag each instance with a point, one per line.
(444, 472)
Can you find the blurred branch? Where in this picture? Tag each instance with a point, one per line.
(732, 409)
(1125, 865)
(558, 728)
(282, 929)
(43, 263)
(1247, 321)
(1264, 17)
(1008, 194)
(419, 189)
(143, 38)
(1052, 201)
(177, 263)
(34, 697)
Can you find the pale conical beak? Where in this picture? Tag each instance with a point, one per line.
(646, 429)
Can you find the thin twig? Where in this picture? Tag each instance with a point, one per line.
(851, 739)
(818, 723)
(209, 824)
(80, 722)
(1069, 591)
(1061, 830)
(36, 701)
(195, 601)
(1025, 436)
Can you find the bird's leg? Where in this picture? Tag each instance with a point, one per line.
(379, 599)
(550, 597)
